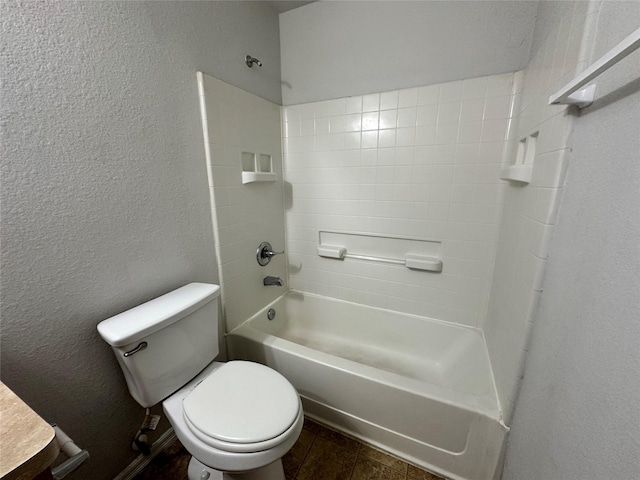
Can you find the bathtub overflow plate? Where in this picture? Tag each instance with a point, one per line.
(271, 314)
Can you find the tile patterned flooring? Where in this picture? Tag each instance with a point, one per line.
(319, 454)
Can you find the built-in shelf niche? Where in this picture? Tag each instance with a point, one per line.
(257, 167)
(521, 169)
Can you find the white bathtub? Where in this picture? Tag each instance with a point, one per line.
(419, 388)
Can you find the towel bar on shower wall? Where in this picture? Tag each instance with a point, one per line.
(413, 253)
(573, 94)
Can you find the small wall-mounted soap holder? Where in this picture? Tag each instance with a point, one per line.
(522, 168)
(257, 167)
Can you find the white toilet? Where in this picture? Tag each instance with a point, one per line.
(237, 419)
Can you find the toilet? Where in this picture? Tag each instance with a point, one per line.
(236, 419)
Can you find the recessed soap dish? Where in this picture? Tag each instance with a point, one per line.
(257, 168)
(521, 170)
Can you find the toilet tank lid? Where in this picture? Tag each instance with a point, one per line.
(143, 320)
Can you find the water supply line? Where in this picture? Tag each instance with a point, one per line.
(141, 441)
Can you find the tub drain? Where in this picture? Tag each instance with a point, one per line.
(271, 314)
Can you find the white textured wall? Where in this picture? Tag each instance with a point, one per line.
(245, 215)
(104, 188)
(334, 49)
(419, 163)
(577, 414)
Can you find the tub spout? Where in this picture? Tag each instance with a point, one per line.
(277, 281)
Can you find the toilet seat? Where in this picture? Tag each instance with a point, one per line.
(260, 408)
(222, 459)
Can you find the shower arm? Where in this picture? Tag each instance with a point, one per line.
(249, 60)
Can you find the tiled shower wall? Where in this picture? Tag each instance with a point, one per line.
(418, 163)
(236, 121)
(559, 51)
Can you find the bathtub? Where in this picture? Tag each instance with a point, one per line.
(419, 388)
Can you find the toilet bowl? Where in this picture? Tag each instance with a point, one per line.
(236, 419)
(254, 418)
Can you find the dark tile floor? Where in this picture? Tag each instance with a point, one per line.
(319, 454)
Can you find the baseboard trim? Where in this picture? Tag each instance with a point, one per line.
(141, 461)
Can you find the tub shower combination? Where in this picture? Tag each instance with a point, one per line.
(420, 388)
(417, 387)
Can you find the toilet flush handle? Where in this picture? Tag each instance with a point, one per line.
(141, 346)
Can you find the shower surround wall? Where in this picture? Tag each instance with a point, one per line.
(244, 215)
(560, 50)
(561, 47)
(419, 163)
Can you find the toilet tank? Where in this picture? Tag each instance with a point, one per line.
(165, 342)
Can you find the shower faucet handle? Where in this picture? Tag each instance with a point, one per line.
(264, 253)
